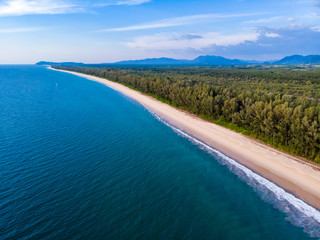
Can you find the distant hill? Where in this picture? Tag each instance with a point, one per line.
(60, 63)
(199, 61)
(217, 60)
(208, 60)
(299, 59)
(154, 61)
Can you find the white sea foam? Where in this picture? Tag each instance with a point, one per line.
(297, 211)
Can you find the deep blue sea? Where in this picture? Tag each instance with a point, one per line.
(79, 160)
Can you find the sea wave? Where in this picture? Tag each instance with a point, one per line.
(298, 212)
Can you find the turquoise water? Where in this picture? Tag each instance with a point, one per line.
(81, 161)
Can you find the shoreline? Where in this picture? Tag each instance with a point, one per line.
(296, 176)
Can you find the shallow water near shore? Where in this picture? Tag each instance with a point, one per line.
(79, 160)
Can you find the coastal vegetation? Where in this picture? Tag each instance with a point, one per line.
(277, 105)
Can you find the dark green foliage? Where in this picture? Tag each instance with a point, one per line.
(279, 106)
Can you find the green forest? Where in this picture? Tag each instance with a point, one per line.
(277, 105)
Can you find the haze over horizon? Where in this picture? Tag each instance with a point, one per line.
(109, 31)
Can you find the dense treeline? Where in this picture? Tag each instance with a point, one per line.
(278, 106)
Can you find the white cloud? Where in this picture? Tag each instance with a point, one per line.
(28, 7)
(121, 2)
(19, 30)
(25, 7)
(178, 21)
(315, 28)
(291, 19)
(131, 2)
(272, 35)
(190, 41)
(263, 20)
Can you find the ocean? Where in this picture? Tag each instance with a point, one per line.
(79, 160)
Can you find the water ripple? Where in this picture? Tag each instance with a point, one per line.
(298, 212)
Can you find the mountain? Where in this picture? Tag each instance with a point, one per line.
(299, 59)
(154, 61)
(199, 61)
(208, 60)
(217, 60)
(60, 63)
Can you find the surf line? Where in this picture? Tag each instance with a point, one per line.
(298, 212)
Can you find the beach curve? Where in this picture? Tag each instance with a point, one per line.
(298, 177)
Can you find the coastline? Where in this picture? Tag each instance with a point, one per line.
(300, 178)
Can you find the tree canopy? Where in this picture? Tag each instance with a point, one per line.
(279, 106)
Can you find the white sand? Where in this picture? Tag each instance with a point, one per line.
(295, 175)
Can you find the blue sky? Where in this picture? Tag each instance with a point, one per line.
(99, 31)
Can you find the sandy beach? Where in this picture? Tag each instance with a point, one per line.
(299, 177)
